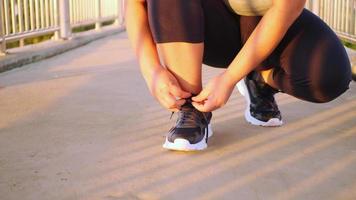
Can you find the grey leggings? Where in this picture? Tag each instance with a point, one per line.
(310, 62)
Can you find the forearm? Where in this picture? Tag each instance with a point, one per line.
(264, 39)
(141, 38)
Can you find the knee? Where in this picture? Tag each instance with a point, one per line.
(176, 20)
(328, 90)
(331, 76)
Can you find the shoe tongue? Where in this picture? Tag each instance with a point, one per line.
(187, 116)
(187, 105)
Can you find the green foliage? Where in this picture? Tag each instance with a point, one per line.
(349, 45)
(38, 39)
(107, 23)
(10, 45)
(28, 41)
(91, 26)
(83, 28)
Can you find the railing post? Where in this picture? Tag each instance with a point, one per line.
(123, 12)
(20, 16)
(64, 20)
(118, 8)
(2, 31)
(56, 19)
(120, 12)
(352, 18)
(98, 15)
(316, 7)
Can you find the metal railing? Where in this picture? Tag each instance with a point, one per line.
(21, 19)
(340, 15)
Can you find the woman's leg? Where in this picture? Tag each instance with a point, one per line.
(311, 62)
(188, 32)
(177, 27)
(184, 60)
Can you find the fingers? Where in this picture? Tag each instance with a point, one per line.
(180, 102)
(178, 92)
(206, 106)
(170, 102)
(201, 101)
(202, 96)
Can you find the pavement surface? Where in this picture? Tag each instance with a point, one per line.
(82, 125)
(17, 57)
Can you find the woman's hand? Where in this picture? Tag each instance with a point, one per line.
(166, 89)
(215, 94)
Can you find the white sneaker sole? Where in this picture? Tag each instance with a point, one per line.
(184, 145)
(241, 86)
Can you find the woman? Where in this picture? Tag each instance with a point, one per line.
(266, 46)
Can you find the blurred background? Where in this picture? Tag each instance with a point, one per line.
(24, 22)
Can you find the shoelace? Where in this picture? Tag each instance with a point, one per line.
(188, 100)
(189, 115)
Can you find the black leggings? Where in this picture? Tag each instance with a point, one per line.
(309, 63)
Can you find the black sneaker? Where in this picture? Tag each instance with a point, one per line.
(191, 131)
(262, 109)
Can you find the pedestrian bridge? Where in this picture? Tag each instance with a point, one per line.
(82, 125)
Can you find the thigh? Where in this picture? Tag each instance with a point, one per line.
(222, 38)
(312, 63)
(176, 20)
(196, 21)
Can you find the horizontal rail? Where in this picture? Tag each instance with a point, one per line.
(340, 15)
(21, 19)
(29, 34)
(90, 22)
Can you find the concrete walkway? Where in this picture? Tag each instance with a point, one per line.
(82, 125)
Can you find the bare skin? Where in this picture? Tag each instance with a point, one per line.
(190, 56)
(172, 81)
(267, 76)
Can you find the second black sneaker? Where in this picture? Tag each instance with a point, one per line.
(191, 130)
(262, 109)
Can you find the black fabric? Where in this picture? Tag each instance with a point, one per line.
(310, 62)
(168, 17)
